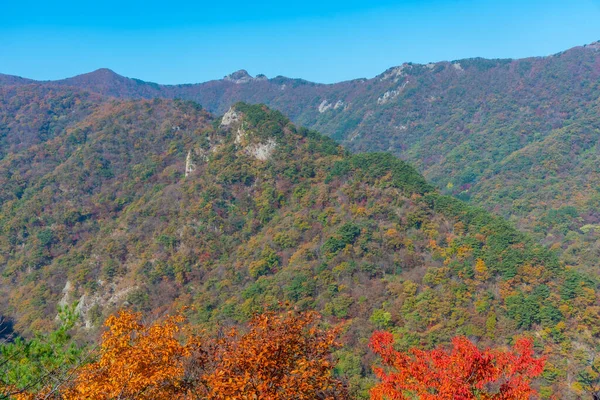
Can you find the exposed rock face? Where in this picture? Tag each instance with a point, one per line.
(242, 76)
(111, 298)
(262, 151)
(395, 73)
(391, 94)
(66, 294)
(240, 136)
(189, 164)
(229, 118)
(324, 106)
(244, 138)
(593, 46)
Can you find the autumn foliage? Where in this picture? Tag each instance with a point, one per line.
(463, 373)
(137, 361)
(277, 357)
(280, 357)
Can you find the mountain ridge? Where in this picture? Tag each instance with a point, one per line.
(157, 204)
(595, 45)
(459, 122)
(462, 123)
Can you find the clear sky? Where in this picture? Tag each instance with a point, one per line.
(187, 41)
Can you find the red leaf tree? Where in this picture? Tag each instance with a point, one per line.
(462, 373)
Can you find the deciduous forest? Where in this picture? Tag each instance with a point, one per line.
(150, 249)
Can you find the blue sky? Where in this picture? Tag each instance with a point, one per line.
(177, 41)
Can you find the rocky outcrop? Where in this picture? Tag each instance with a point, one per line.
(391, 94)
(324, 106)
(395, 73)
(261, 151)
(242, 76)
(229, 118)
(190, 166)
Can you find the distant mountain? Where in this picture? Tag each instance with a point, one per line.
(157, 204)
(517, 137)
(14, 80)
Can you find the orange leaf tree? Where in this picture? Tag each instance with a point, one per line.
(463, 373)
(136, 361)
(280, 357)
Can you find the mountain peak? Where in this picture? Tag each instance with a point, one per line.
(258, 131)
(14, 80)
(242, 76)
(249, 122)
(101, 75)
(594, 45)
(104, 73)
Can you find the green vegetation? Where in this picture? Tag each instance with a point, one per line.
(29, 364)
(303, 224)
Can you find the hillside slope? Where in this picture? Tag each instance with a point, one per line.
(463, 124)
(157, 204)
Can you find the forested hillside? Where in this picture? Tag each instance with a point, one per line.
(518, 137)
(156, 204)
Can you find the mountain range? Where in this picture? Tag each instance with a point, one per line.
(517, 137)
(115, 192)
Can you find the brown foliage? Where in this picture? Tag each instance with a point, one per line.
(280, 357)
(136, 361)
